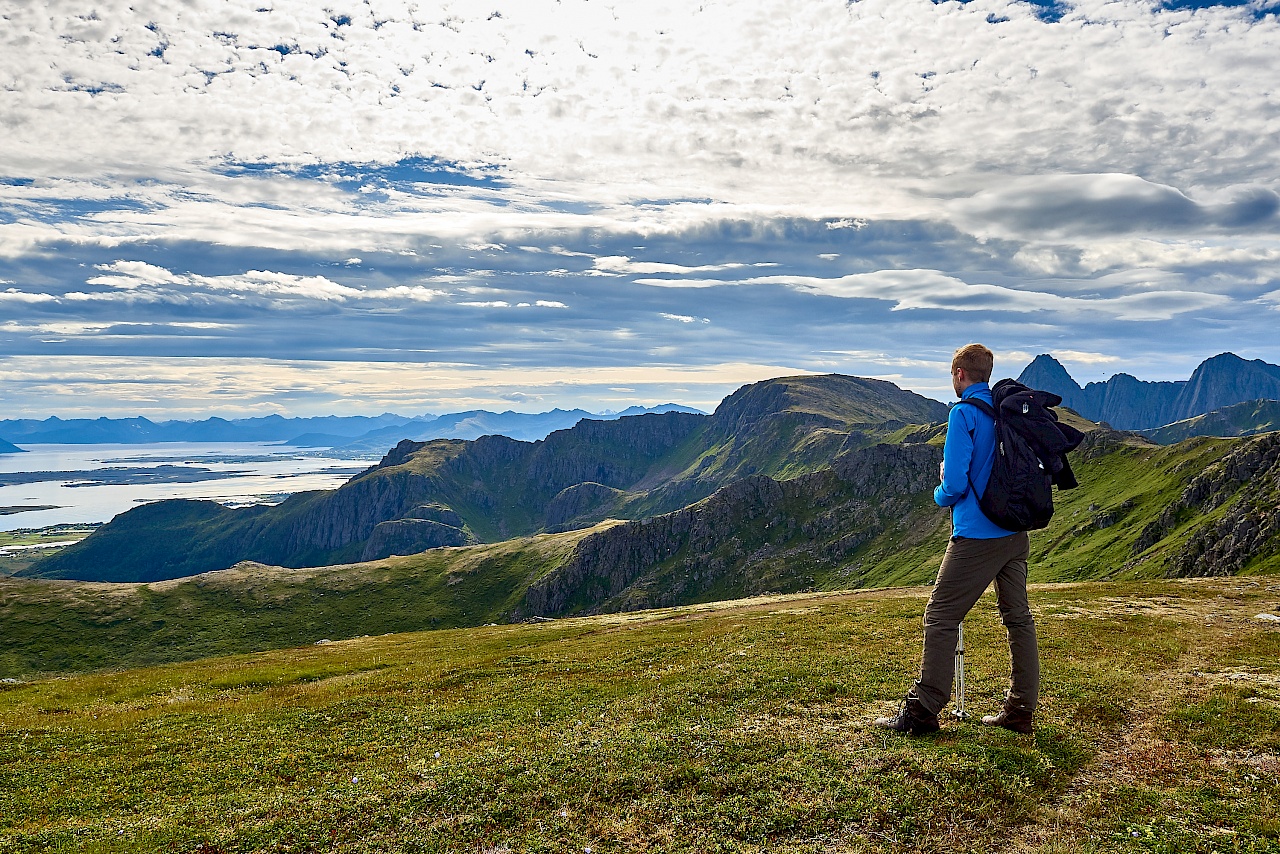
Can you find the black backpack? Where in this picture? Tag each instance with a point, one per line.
(1031, 449)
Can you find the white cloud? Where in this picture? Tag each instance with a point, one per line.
(147, 282)
(1087, 358)
(133, 274)
(931, 289)
(15, 295)
(1271, 300)
(56, 328)
(622, 264)
(777, 101)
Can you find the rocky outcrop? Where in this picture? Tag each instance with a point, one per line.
(436, 512)
(748, 537)
(1249, 529)
(581, 505)
(1248, 480)
(410, 536)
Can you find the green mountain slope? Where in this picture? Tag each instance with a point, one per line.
(736, 727)
(454, 492)
(1242, 419)
(1205, 507)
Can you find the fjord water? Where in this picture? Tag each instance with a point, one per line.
(241, 473)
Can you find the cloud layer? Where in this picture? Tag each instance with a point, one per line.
(547, 190)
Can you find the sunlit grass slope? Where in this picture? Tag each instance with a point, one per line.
(731, 727)
(60, 626)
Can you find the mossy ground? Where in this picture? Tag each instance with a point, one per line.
(738, 726)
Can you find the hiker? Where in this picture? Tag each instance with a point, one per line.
(979, 552)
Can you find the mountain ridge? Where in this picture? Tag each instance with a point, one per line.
(325, 431)
(631, 467)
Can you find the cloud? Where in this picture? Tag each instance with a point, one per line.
(1108, 204)
(623, 264)
(931, 289)
(138, 278)
(1271, 300)
(15, 295)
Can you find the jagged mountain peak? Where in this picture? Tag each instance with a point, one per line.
(1230, 363)
(1129, 403)
(1047, 373)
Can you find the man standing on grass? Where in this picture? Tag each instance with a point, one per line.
(979, 552)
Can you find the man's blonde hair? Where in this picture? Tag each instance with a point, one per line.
(977, 361)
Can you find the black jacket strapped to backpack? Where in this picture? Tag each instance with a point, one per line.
(1023, 415)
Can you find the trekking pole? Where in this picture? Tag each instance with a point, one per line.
(959, 710)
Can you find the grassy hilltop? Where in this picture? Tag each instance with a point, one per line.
(733, 727)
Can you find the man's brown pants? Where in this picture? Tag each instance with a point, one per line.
(968, 567)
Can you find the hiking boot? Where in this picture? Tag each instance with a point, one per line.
(912, 719)
(1011, 717)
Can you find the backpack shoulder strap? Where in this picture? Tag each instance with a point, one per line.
(990, 410)
(981, 404)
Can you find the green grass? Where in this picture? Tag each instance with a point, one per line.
(1096, 526)
(730, 727)
(60, 626)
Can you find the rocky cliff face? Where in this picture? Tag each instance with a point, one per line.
(1248, 482)
(581, 505)
(1225, 380)
(755, 535)
(410, 536)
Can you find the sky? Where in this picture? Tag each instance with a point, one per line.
(243, 208)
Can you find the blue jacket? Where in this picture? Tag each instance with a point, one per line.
(966, 458)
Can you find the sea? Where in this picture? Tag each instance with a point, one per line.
(93, 483)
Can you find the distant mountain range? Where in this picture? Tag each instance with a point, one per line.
(1128, 403)
(353, 433)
